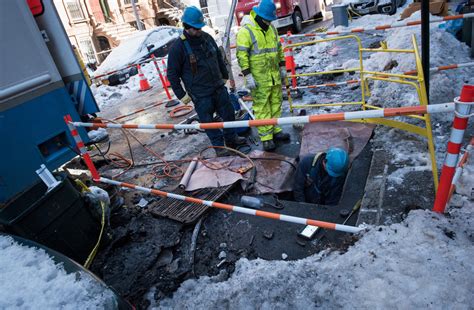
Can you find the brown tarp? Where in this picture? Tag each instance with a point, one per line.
(274, 173)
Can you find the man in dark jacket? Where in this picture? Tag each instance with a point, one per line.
(320, 178)
(196, 60)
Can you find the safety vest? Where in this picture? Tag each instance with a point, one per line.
(260, 52)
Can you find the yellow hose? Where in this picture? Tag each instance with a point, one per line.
(91, 256)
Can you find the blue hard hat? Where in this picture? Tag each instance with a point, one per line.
(266, 10)
(337, 161)
(193, 17)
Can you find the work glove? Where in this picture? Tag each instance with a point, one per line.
(250, 82)
(283, 72)
(186, 99)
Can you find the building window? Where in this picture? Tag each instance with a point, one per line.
(74, 9)
(126, 2)
(87, 50)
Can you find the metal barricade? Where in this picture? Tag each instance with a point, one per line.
(416, 81)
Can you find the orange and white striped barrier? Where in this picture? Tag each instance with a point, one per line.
(290, 60)
(442, 68)
(434, 19)
(163, 82)
(232, 208)
(81, 147)
(144, 85)
(463, 105)
(165, 67)
(460, 167)
(275, 216)
(330, 117)
(412, 72)
(118, 70)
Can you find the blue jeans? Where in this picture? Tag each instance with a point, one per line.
(218, 102)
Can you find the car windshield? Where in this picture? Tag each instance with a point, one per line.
(133, 48)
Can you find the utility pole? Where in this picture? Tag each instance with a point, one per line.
(425, 43)
(226, 44)
(137, 17)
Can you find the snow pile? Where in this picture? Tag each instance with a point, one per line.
(32, 280)
(311, 58)
(419, 263)
(444, 85)
(107, 96)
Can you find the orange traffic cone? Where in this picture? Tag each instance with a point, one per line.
(144, 85)
(167, 82)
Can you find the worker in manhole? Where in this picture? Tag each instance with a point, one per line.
(261, 59)
(196, 60)
(320, 178)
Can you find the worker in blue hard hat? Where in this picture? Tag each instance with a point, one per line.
(196, 61)
(320, 178)
(261, 59)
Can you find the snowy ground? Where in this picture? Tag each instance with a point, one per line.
(424, 261)
(444, 85)
(30, 279)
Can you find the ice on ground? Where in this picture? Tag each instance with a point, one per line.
(422, 262)
(30, 279)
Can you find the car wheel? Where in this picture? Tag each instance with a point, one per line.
(297, 22)
(394, 7)
(388, 9)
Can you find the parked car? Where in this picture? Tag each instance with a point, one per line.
(290, 12)
(363, 7)
(136, 49)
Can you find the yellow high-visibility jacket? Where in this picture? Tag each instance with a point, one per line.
(260, 53)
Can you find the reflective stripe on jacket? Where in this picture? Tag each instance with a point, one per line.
(260, 52)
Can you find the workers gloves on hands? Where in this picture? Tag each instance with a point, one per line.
(250, 82)
(186, 99)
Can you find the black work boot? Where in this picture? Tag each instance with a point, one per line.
(236, 141)
(281, 136)
(268, 145)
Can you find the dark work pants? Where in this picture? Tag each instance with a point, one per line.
(219, 103)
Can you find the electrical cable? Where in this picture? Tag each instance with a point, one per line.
(248, 184)
(101, 153)
(186, 108)
(91, 256)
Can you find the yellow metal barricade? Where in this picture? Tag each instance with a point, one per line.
(415, 81)
(358, 69)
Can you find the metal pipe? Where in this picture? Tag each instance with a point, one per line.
(226, 44)
(187, 175)
(246, 108)
(137, 17)
(425, 43)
